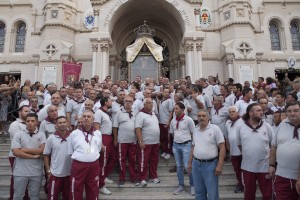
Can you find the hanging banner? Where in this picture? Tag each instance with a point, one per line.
(71, 72)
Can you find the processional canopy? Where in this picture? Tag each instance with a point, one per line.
(144, 36)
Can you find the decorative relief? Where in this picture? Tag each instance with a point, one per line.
(96, 12)
(240, 12)
(54, 14)
(205, 17)
(197, 11)
(68, 16)
(227, 15)
(244, 48)
(95, 47)
(104, 47)
(199, 46)
(50, 50)
(189, 46)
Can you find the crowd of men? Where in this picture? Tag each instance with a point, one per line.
(77, 135)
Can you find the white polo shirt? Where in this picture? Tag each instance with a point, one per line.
(195, 109)
(73, 107)
(137, 106)
(28, 167)
(105, 122)
(47, 127)
(229, 100)
(43, 113)
(15, 127)
(219, 117)
(150, 128)
(165, 107)
(276, 108)
(125, 125)
(115, 108)
(288, 150)
(186, 128)
(208, 90)
(268, 117)
(206, 143)
(242, 106)
(255, 147)
(82, 150)
(230, 135)
(60, 159)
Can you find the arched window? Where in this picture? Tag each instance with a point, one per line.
(295, 34)
(2, 36)
(275, 36)
(20, 37)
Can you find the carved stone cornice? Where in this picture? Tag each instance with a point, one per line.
(65, 26)
(259, 57)
(189, 46)
(197, 11)
(98, 2)
(95, 47)
(195, 1)
(96, 12)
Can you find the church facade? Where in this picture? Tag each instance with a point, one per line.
(239, 39)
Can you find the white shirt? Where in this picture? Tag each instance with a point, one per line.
(165, 107)
(206, 143)
(47, 127)
(186, 128)
(194, 112)
(105, 122)
(15, 127)
(43, 113)
(242, 106)
(150, 128)
(288, 150)
(82, 150)
(230, 134)
(219, 117)
(125, 125)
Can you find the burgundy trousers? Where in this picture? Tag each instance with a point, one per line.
(11, 187)
(249, 181)
(164, 139)
(57, 185)
(107, 141)
(127, 150)
(148, 161)
(84, 175)
(236, 163)
(285, 188)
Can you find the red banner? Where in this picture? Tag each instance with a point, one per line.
(71, 72)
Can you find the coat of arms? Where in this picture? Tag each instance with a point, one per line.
(205, 18)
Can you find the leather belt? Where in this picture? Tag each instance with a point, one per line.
(205, 160)
(183, 142)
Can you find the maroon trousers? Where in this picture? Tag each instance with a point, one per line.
(11, 187)
(236, 163)
(127, 150)
(148, 161)
(249, 181)
(84, 174)
(164, 131)
(107, 141)
(57, 185)
(285, 188)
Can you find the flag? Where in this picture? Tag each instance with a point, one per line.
(71, 72)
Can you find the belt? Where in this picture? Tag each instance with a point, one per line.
(184, 142)
(205, 160)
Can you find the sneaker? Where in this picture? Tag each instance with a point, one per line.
(238, 189)
(192, 190)
(121, 183)
(167, 156)
(172, 170)
(143, 183)
(104, 190)
(155, 180)
(163, 155)
(136, 183)
(179, 190)
(107, 180)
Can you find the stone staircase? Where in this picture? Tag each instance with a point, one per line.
(161, 191)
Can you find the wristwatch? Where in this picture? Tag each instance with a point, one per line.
(49, 171)
(140, 142)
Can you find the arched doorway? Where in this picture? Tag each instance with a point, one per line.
(160, 15)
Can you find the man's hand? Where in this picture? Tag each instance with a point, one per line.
(142, 145)
(116, 143)
(36, 156)
(189, 169)
(272, 171)
(218, 170)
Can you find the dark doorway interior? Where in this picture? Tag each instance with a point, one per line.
(292, 74)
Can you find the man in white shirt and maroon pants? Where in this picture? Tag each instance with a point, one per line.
(84, 146)
(285, 150)
(254, 139)
(147, 132)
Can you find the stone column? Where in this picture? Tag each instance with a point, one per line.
(199, 67)
(197, 17)
(189, 48)
(105, 61)
(95, 50)
(96, 15)
(229, 63)
(112, 67)
(36, 58)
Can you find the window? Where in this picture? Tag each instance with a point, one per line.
(275, 36)
(295, 35)
(20, 37)
(2, 36)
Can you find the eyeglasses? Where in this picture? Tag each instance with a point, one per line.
(128, 101)
(34, 101)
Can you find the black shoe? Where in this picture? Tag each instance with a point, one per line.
(238, 189)
(174, 169)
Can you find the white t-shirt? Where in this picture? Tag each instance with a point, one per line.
(105, 122)
(186, 128)
(288, 150)
(48, 128)
(150, 128)
(15, 127)
(82, 150)
(255, 147)
(137, 106)
(193, 114)
(242, 106)
(230, 135)
(125, 125)
(219, 117)
(73, 107)
(43, 113)
(206, 143)
(60, 165)
(229, 100)
(165, 107)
